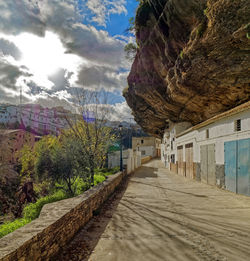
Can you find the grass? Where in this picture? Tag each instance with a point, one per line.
(32, 211)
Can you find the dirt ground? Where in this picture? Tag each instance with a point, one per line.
(159, 215)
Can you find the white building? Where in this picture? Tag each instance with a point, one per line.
(148, 146)
(37, 119)
(215, 152)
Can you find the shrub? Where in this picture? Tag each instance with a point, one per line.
(32, 211)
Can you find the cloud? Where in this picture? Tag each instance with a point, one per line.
(102, 9)
(102, 77)
(60, 80)
(94, 45)
(9, 75)
(9, 48)
(88, 58)
(21, 15)
(120, 112)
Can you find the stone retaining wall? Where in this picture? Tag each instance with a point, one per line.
(57, 224)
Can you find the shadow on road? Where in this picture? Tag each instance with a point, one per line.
(146, 172)
(82, 245)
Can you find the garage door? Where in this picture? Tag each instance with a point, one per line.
(181, 163)
(237, 166)
(208, 165)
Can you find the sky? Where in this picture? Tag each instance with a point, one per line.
(49, 48)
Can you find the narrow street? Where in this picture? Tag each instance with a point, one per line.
(162, 216)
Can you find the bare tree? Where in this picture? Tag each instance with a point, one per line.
(91, 128)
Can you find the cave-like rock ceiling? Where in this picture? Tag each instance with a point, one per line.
(192, 61)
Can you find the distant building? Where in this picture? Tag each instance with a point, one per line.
(216, 151)
(35, 118)
(13, 141)
(148, 146)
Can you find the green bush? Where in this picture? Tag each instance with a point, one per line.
(9, 227)
(32, 211)
(98, 179)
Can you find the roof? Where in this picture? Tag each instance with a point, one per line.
(236, 110)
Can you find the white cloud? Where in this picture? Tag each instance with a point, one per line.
(102, 77)
(46, 49)
(101, 9)
(120, 112)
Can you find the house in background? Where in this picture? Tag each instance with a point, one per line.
(13, 141)
(148, 146)
(216, 151)
(35, 118)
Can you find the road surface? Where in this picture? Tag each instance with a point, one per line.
(162, 216)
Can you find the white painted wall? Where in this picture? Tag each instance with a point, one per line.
(132, 159)
(149, 151)
(219, 132)
(169, 143)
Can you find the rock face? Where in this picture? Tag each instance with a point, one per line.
(192, 61)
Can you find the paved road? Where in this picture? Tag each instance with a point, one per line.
(163, 216)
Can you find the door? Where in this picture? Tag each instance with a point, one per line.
(181, 169)
(208, 164)
(244, 167)
(230, 149)
(211, 165)
(189, 160)
(237, 166)
(204, 164)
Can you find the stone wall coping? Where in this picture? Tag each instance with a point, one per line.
(50, 214)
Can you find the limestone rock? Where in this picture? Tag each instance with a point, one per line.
(192, 61)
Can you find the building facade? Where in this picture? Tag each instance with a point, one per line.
(35, 118)
(148, 146)
(216, 152)
(12, 141)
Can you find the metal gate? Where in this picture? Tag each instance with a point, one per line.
(208, 165)
(237, 166)
(189, 161)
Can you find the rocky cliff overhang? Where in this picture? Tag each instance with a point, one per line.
(192, 61)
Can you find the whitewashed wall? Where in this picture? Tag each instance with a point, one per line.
(132, 159)
(219, 132)
(149, 151)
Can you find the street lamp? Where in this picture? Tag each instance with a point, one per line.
(121, 162)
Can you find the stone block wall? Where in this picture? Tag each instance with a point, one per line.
(57, 224)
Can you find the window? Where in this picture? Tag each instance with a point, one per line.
(173, 158)
(143, 152)
(142, 141)
(172, 145)
(207, 134)
(237, 125)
